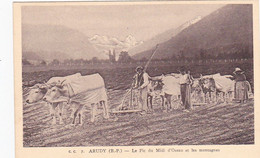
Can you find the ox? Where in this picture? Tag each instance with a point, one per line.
(224, 87)
(208, 87)
(78, 92)
(219, 85)
(197, 91)
(38, 91)
(35, 93)
(166, 87)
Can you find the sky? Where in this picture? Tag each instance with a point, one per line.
(141, 21)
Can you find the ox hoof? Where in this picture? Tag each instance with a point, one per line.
(143, 113)
(186, 110)
(115, 119)
(73, 124)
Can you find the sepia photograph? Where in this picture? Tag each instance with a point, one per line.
(134, 74)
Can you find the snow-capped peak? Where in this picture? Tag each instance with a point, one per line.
(131, 40)
(106, 43)
(191, 22)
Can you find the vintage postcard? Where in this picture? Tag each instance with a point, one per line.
(136, 79)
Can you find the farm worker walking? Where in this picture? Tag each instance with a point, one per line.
(141, 82)
(185, 81)
(242, 86)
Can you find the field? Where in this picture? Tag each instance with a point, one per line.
(209, 124)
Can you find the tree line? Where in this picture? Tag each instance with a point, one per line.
(124, 57)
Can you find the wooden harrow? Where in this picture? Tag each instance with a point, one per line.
(129, 103)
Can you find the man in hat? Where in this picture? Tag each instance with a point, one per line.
(241, 86)
(141, 80)
(185, 81)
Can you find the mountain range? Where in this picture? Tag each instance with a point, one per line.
(106, 43)
(163, 37)
(50, 42)
(228, 29)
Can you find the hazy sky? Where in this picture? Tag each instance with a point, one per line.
(141, 21)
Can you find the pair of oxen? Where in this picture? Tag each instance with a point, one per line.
(76, 91)
(205, 89)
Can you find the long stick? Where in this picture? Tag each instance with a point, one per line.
(122, 104)
(148, 62)
(131, 99)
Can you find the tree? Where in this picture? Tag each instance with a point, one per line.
(196, 57)
(124, 57)
(173, 57)
(43, 63)
(95, 60)
(67, 62)
(112, 57)
(55, 62)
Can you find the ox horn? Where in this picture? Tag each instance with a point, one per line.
(45, 85)
(62, 82)
(36, 85)
(52, 84)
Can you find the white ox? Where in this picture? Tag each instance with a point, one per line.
(166, 86)
(81, 91)
(38, 91)
(224, 86)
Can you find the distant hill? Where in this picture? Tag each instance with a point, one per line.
(163, 37)
(50, 42)
(31, 56)
(227, 30)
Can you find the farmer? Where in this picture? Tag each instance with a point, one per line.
(185, 81)
(141, 80)
(241, 86)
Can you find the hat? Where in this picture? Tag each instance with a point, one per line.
(237, 70)
(139, 68)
